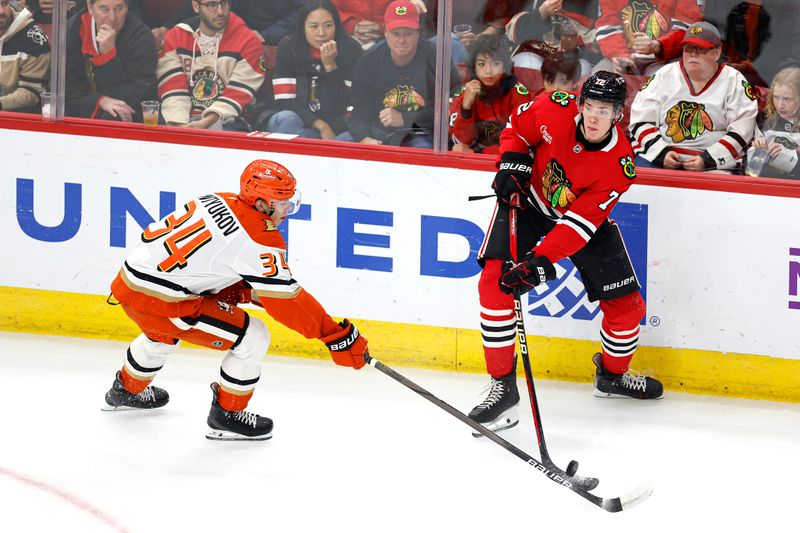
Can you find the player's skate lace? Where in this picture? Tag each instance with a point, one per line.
(496, 390)
(245, 417)
(634, 381)
(147, 394)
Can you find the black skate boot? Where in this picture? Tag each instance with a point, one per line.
(235, 425)
(119, 399)
(628, 385)
(499, 410)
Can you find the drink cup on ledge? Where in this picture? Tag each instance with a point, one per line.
(46, 99)
(150, 113)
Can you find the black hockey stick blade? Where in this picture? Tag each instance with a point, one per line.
(612, 505)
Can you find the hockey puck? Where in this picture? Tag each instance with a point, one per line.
(572, 468)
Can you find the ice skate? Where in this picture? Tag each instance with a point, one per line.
(119, 399)
(235, 425)
(499, 410)
(627, 385)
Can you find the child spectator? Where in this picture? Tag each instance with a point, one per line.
(313, 75)
(779, 134)
(479, 110)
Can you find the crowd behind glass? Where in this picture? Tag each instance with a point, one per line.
(714, 85)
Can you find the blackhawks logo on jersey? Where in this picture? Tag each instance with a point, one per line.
(403, 98)
(521, 89)
(556, 186)
(687, 121)
(646, 83)
(749, 91)
(562, 98)
(627, 167)
(642, 17)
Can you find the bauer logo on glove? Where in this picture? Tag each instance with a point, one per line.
(527, 274)
(348, 346)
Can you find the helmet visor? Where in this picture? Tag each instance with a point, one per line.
(290, 206)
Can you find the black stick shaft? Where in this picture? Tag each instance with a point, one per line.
(523, 341)
(609, 504)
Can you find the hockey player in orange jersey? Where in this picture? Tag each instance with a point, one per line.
(185, 281)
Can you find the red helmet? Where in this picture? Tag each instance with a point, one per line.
(267, 180)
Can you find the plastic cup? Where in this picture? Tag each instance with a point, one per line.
(569, 36)
(45, 97)
(756, 162)
(150, 113)
(461, 29)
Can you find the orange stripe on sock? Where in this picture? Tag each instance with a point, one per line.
(233, 402)
(132, 384)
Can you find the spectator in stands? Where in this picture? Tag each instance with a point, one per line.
(694, 114)
(760, 36)
(111, 62)
(393, 85)
(622, 22)
(364, 18)
(479, 110)
(22, 78)
(43, 9)
(161, 15)
(561, 72)
(272, 20)
(210, 68)
(313, 75)
(779, 132)
(551, 26)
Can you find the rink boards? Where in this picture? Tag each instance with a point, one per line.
(393, 245)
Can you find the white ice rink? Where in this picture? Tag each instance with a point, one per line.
(358, 452)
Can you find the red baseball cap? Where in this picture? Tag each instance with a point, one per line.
(702, 34)
(401, 14)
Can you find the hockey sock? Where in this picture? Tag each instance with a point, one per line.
(233, 402)
(619, 331)
(132, 384)
(498, 326)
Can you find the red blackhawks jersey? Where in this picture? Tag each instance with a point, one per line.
(480, 126)
(574, 183)
(213, 242)
(620, 19)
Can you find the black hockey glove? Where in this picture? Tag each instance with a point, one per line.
(513, 177)
(527, 274)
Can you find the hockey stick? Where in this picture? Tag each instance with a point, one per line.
(612, 505)
(588, 483)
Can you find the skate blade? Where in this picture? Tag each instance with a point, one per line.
(109, 408)
(507, 420)
(600, 394)
(216, 434)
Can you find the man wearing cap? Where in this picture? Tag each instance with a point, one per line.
(694, 114)
(393, 85)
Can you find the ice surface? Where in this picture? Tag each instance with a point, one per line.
(358, 452)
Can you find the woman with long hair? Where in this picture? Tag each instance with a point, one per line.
(313, 73)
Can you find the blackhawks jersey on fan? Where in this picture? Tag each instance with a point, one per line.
(479, 127)
(716, 121)
(573, 182)
(213, 242)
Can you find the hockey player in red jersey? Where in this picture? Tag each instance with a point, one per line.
(569, 162)
(185, 281)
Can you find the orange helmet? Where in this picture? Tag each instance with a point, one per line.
(269, 181)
